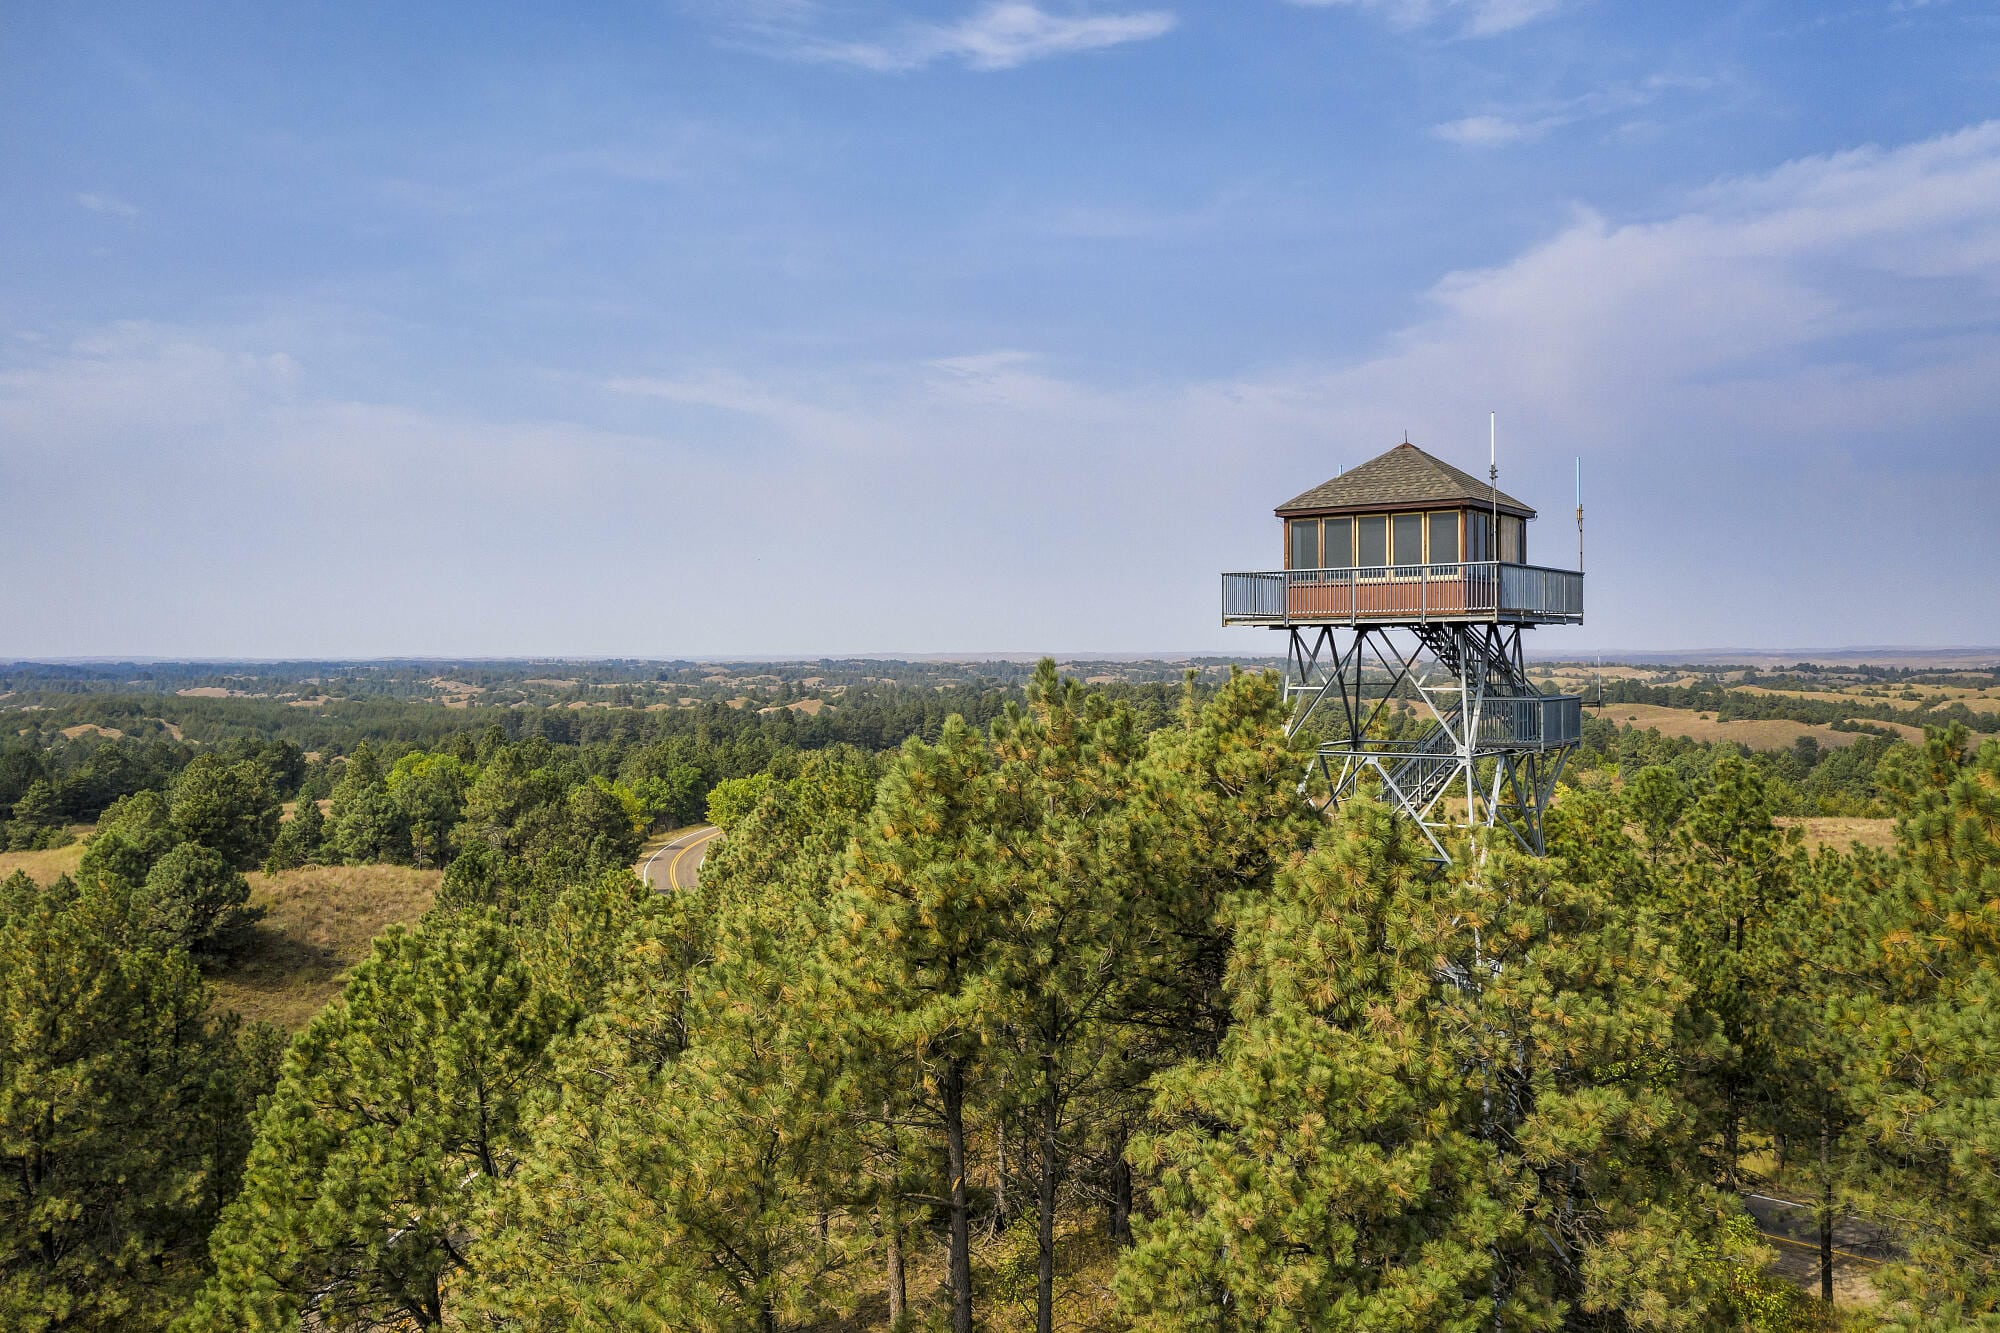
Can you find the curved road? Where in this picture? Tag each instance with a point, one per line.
(675, 863)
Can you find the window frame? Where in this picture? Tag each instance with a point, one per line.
(1382, 566)
(1294, 527)
(1398, 519)
(1479, 522)
(1346, 522)
(1455, 520)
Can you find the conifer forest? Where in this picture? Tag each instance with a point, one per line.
(1007, 997)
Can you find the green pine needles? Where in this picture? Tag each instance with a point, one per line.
(1066, 1021)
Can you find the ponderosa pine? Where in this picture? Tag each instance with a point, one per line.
(1438, 1108)
(396, 1111)
(123, 1109)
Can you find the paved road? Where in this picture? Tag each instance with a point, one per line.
(675, 863)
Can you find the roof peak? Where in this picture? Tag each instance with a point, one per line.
(1405, 474)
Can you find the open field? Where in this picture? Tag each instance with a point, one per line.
(46, 866)
(318, 924)
(1758, 734)
(1838, 831)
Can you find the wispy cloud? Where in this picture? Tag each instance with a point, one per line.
(108, 204)
(999, 35)
(1493, 131)
(1479, 18)
(1812, 340)
(1526, 123)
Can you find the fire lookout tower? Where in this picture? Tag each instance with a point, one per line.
(1423, 568)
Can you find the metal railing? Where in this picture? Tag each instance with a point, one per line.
(1545, 720)
(1473, 590)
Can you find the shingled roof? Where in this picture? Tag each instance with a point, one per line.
(1406, 476)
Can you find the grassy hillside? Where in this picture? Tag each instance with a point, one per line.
(318, 924)
(45, 866)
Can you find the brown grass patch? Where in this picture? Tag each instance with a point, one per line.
(91, 729)
(1758, 734)
(318, 923)
(46, 867)
(1839, 831)
(810, 707)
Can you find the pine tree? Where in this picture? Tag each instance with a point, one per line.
(684, 1162)
(229, 808)
(132, 834)
(301, 839)
(1438, 1108)
(428, 791)
(1817, 1025)
(122, 1111)
(363, 822)
(37, 820)
(922, 923)
(396, 1111)
(1068, 866)
(194, 900)
(1728, 882)
(1934, 1035)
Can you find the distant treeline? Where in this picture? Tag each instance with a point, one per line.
(63, 779)
(1730, 705)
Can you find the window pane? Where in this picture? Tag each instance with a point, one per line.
(1444, 537)
(1510, 540)
(1478, 534)
(1373, 546)
(1408, 531)
(1305, 543)
(1339, 552)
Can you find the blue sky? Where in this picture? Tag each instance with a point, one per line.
(817, 327)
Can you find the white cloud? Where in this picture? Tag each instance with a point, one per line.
(1533, 121)
(1493, 131)
(999, 35)
(108, 204)
(1783, 390)
(1480, 18)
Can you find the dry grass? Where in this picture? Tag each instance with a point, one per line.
(1839, 831)
(318, 924)
(45, 867)
(810, 707)
(1758, 734)
(91, 729)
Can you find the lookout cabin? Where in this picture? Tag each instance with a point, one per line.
(1404, 538)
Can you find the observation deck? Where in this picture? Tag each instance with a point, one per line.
(1489, 591)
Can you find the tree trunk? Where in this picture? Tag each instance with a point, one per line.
(1121, 1193)
(960, 1275)
(892, 1227)
(1000, 1174)
(1826, 1209)
(1730, 1125)
(1045, 1224)
(899, 1296)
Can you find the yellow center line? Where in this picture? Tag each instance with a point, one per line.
(674, 866)
(1804, 1245)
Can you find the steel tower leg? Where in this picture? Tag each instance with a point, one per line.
(1488, 748)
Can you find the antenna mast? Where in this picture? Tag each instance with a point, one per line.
(1579, 516)
(1493, 475)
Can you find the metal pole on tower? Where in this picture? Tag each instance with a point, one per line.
(1579, 516)
(1493, 474)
